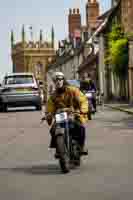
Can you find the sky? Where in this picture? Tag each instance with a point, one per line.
(40, 14)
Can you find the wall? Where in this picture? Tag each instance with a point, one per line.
(127, 15)
(130, 70)
(101, 68)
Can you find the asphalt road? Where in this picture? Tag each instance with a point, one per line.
(28, 170)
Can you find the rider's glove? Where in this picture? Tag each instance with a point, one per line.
(77, 116)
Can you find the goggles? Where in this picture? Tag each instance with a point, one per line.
(59, 79)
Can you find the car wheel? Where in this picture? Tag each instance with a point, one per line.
(39, 107)
(3, 107)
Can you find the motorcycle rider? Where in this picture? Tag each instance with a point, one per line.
(66, 96)
(88, 84)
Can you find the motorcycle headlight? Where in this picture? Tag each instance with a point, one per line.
(89, 94)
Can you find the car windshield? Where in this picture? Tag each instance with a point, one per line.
(19, 79)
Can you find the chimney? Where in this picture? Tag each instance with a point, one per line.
(74, 21)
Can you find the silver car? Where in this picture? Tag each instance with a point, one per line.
(19, 89)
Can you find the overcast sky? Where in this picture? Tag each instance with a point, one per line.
(40, 14)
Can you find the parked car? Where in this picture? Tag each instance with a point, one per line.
(20, 89)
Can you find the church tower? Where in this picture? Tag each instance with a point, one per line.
(32, 56)
(92, 12)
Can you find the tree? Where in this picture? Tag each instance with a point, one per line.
(117, 55)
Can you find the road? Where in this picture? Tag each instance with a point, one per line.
(28, 170)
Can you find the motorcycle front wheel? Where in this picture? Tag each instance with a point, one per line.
(76, 153)
(63, 156)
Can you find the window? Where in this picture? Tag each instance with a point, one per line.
(19, 79)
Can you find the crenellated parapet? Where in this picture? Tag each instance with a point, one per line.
(74, 11)
(24, 44)
(31, 45)
(38, 45)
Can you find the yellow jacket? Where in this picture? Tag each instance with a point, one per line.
(72, 97)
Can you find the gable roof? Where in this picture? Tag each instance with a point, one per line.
(106, 17)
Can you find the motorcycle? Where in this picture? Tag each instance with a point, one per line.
(67, 146)
(90, 95)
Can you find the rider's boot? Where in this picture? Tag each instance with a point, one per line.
(56, 154)
(84, 150)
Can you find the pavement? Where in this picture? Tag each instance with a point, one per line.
(124, 107)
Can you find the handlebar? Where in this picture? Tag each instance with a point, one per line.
(91, 91)
(70, 112)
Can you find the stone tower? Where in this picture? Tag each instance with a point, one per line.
(92, 12)
(74, 21)
(32, 56)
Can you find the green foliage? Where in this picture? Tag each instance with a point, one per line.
(117, 53)
(119, 56)
(116, 33)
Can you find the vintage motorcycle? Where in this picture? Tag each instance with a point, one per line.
(91, 95)
(67, 146)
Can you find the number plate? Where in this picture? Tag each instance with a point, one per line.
(61, 117)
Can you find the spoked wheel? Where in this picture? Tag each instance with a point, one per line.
(63, 157)
(76, 155)
(38, 107)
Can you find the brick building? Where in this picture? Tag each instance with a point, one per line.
(76, 59)
(92, 13)
(74, 21)
(76, 29)
(121, 13)
(126, 17)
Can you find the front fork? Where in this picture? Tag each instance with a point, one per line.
(67, 138)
